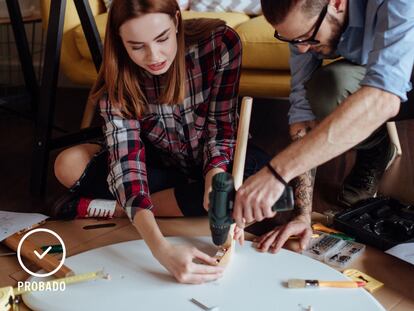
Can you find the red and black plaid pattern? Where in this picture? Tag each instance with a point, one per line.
(201, 131)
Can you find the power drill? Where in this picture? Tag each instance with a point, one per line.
(221, 205)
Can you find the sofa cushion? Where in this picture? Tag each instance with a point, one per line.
(265, 83)
(184, 4)
(76, 67)
(107, 4)
(260, 49)
(251, 7)
(232, 19)
(80, 39)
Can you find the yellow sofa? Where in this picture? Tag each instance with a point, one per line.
(265, 69)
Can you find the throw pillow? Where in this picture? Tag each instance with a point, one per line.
(184, 4)
(107, 3)
(251, 7)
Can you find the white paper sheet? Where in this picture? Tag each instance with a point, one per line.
(11, 222)
(403, 251)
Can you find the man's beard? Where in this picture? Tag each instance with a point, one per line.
(328, 50)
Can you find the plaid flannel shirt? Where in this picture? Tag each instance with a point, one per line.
(199, 131)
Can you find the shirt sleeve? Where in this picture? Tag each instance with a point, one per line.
(390, 62)
(222, 111)
(127, 177)
(302, 65)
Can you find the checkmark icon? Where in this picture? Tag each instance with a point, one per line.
(40, 256)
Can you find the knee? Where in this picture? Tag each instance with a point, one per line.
(330, 85)
(322, 92)
(69, 166)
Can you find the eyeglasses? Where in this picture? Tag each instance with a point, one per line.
(311, 40)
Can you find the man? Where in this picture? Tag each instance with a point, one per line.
(350, 100)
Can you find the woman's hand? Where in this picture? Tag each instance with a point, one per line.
(238, 235)
(179, 261)
(176, 259)
(273, 241)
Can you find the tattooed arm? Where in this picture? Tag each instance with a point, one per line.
(303, 184)
(300, 225)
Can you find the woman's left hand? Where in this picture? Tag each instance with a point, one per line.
(238, 235)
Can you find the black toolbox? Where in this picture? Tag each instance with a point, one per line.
(380, 222)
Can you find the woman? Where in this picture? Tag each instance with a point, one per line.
(167, 91)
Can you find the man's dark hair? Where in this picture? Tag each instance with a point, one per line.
(275, 11)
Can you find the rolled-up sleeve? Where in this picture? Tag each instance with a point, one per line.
(222, 111)
(390, 62)
(127, 177)
(301, 68)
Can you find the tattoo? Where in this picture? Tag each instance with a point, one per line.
(303, 189)
(303, 184)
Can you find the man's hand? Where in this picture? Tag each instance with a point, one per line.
(276, 238)
(178, 260)
(255, 198)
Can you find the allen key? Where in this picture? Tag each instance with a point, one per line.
(204, 307)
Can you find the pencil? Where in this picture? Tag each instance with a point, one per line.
(55, 249)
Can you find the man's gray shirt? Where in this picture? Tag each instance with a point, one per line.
(380, 36)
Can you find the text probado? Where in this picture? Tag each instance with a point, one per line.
(41, 286)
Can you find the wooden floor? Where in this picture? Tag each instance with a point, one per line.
(268, 127)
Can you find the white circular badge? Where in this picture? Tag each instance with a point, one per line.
(40, 256)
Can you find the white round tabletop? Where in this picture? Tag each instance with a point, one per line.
(252, 281)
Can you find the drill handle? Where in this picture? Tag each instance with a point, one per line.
(286, 202)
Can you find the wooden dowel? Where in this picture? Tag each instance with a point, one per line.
(392, 131)
(242, 139)
(238, 167)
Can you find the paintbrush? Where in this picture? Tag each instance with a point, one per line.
(297, 283)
